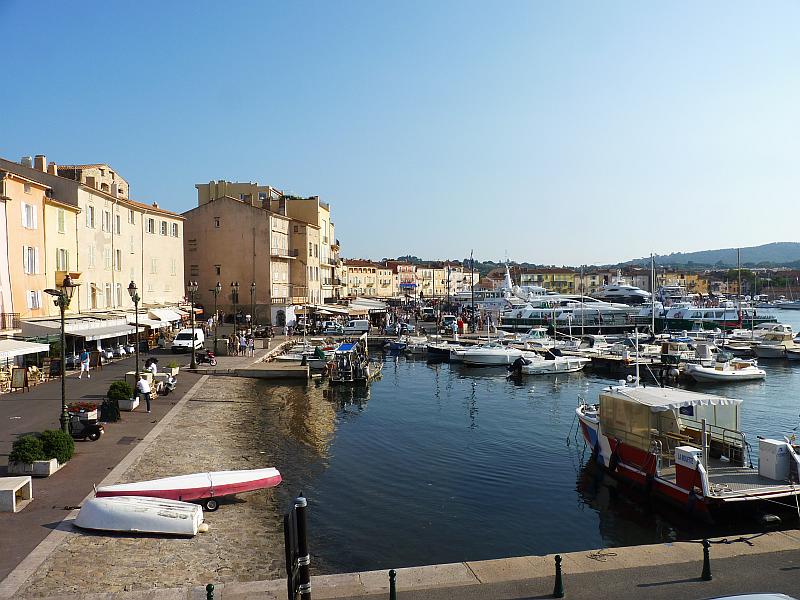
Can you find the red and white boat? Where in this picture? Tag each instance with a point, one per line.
(206, 487)
(688, 448)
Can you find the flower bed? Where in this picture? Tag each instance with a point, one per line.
(86, 410)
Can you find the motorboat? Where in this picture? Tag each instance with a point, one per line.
(416, 345)
(550, 364)
(774, 344)
(440, 349)
(492, 354)
(351, 363)
(205, 487)
(788, 305)
(687, 448)
(397, 345)
(735, 369)
(137, 514)
(619, 290)
(793, 353)
(457, 354)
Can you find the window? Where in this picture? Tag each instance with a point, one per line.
(118, 294)
(151, 226)
(153, 266)
(192, 243)
(131, 216)
(216, 222)
(106, 221)
(163, 228)
(91, 256)
(34, 298)
(107, 258)
(108, 295)
(26, 187)
(296, 229)
(118, 220)
(174, 230)
(118, 260)
(61, 221)
(62, 259)
(194, 270)
(262, 196)
(218, 269)
(173, 267)
(90, 216)
(30, 260)
(28, 216)
(316, 250)
(310, 249)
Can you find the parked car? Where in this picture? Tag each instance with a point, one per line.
(356, 326)
(263, 331)
(183, 341)
(332, 328)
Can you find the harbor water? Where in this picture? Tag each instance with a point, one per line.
(438, 463)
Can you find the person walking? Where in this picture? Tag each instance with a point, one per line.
(242, 345)
(251, 346)
(84, 360)
(143, 387)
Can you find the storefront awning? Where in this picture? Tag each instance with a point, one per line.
(165, 314)
(144, 321)
(103, 333)
(12, 348)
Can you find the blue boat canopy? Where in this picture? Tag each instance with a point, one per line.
(345, 347)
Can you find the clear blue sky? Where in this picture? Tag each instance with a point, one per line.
(556, 132)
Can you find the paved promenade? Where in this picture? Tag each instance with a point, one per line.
(40, 409)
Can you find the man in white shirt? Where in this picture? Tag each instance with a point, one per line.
(153, 367)
(143, 387)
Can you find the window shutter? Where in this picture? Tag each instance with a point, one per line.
(24, 220)
(29, 298)
(36, 261)
(25, 260)
(34, 216)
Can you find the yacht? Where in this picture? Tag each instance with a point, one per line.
(774, 344)
(621, 291)
(492, 355)
(567, 310)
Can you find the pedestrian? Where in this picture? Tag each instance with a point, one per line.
(242, 345)
(251, 346)
(84, 360)
(143, 387)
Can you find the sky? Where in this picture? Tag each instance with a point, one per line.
(560, 133)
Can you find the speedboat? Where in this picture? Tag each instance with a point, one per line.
(205, 487)
(457, 354)
(687, 448)
(735, 369)
(551, 365)
(140, 515)
(492, 355)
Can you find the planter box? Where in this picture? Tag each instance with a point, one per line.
(86, 415)
(131, 378)
(129, 405)
(40, 468)
(172, 371)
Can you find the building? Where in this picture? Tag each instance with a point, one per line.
(99, 177)
(555, 279)
(104, 240)
(404, 275)
(362, 277)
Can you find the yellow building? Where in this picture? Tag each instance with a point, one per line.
(554, 279)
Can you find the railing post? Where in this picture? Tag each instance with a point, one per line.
(304, 559)
(706, 576)
(558, 588)
(392, 585)
(210, 591)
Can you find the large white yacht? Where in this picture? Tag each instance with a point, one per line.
(619, 290)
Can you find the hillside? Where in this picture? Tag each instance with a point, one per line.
(774, 254)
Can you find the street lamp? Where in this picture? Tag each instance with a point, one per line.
(62, 299)
(132, 290)
(217, 289)
(235, 298)
(191, 287)
(253, 305)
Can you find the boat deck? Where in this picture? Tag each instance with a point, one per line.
(738, 483)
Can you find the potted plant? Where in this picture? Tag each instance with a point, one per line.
(42, 455)
(121, 394)
(87, 410)
(172, 368)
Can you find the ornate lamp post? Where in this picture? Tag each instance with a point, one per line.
(217, 289)
(235, 298)
(191, 287)
(63, 297)
(132, 290)
(252, 305)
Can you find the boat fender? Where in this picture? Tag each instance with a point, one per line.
(203, 528)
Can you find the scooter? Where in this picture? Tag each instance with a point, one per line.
(167, 386)
(207, 356)
(81, 429)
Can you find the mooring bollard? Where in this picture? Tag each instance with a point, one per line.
(392, 585)
(210, 592)
(706, 576)
(558, 588)
(304, 559)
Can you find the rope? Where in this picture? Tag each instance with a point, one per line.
(601, 555)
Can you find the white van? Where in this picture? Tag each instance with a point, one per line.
(183, 341)
(358, 326)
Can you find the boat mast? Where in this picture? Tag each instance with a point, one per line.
(583, 305)
(472, 281)
(652, 294)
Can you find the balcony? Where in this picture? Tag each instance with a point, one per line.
(282, 253)
(9, 321)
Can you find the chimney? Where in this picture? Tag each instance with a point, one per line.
(26, 161)
(40, 163)
(52, 168)
(114, 190)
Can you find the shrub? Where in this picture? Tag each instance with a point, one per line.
(109, 410)
(172, 364)
(57, 444)
(120, 390)
(26, 449)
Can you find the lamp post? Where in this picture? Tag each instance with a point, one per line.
(191, 287)
(62, 299)
(132, 290)
(235, 298)
(253, 305)
(217, 289)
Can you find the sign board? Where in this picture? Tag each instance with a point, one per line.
(95, 360)
(687, 456)
(19, 378)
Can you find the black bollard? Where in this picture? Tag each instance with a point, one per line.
(558, 588)
(303, 560)
(392, 585)
(706, 576)
(210, 591)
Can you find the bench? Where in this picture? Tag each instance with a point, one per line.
(15, 493)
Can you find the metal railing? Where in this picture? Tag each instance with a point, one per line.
(9, 321)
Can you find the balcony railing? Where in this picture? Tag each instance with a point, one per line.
(282, 252)
(9, 321)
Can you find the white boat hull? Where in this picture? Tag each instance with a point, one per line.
(559, 365)
(711, 374)
(477, 358)
(140, 515)
(770, 351)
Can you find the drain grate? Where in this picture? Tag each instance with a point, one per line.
(126, 440)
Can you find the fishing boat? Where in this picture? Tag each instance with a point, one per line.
(491, 355)
(204, 487)
(687, 448)
(140, 515)
(351, 363)
(735, 369)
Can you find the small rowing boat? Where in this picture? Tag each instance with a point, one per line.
(140, 515)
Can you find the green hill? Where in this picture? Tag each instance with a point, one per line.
(774, 254)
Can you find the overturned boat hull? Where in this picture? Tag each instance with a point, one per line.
(136, 514)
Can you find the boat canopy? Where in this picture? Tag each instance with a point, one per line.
(664, 399)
